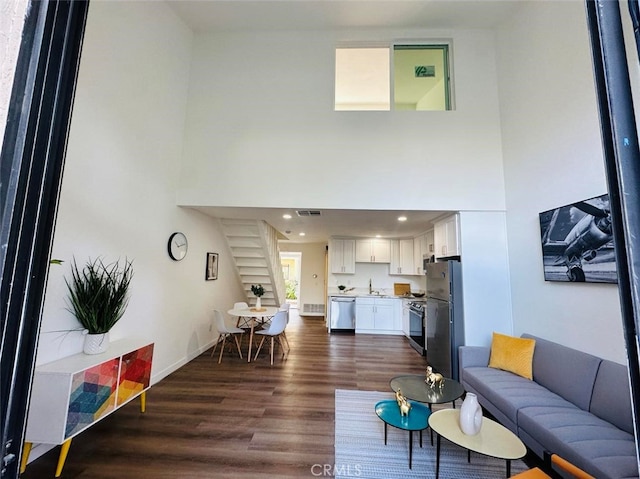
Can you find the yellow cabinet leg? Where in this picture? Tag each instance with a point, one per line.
(143, 401)
(64, 450)
(26, 450)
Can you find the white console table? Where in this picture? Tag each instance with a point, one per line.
(73, 393)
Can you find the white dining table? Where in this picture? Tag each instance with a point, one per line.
(266, 312)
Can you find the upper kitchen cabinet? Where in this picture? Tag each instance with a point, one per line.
(446, 236)
(342, 253)
(422, 246)
(402, 257)
(373, 250)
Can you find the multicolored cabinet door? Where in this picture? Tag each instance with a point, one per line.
(135, 373)
(92, 396)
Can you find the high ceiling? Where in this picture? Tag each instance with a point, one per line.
(300, 15)
(268, 15)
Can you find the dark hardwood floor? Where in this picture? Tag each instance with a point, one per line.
(239, 419)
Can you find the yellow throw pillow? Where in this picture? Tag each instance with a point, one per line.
(512, 354)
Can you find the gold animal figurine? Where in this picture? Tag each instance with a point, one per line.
(403, 404)
(434, 379)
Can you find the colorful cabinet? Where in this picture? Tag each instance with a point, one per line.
(73, 393)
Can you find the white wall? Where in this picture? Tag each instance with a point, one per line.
(118, 193)
(553, 156)
(485, 276)
(262, 104)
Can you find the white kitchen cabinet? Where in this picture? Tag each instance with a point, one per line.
(378, 315)
(402, 252)
(342, 256)
(420, 248)
(374, 250)
(446, 237)
(365, 314)
(406, 320)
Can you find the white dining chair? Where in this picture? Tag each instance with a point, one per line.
(225, 331)
(243, 321)
(274, 332)
(286, 307)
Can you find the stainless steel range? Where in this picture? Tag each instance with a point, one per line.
(417, 326)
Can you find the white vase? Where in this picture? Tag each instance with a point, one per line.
(95, 343)
(470, 415)
(258, 302)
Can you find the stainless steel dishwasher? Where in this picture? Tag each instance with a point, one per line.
(343, 313)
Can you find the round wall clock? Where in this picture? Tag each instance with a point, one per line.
(177, 246)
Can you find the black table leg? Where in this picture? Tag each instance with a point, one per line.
(385, 433)
(420, 437)
(410, 447)
(437, 455)
(468, 455)
(508, 468)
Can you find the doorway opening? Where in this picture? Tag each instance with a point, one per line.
(291, 267)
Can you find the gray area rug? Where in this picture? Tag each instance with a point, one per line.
(360, 450)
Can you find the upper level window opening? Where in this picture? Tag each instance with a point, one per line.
(362, 79)
(417, 75)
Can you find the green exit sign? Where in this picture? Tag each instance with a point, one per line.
(425, 71)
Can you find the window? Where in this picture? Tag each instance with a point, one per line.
(420, 78)
(362, 79)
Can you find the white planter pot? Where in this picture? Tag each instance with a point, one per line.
(95, 343)
(470, 415)
(258, 302)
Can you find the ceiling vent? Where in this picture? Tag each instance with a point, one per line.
(308, 212)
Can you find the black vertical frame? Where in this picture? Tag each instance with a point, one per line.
(31, 165)
(622, 166)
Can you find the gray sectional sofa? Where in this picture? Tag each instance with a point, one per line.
(577, 406)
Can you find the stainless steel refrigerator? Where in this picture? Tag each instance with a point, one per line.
(444, 316)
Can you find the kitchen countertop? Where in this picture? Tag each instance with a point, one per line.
(355, 294)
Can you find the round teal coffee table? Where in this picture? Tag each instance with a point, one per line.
(416, 420)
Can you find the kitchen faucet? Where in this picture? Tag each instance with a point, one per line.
(370, 289)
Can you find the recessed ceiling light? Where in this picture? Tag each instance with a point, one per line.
(378, 236)
(402, 218)
(286, 217)
(301, 234)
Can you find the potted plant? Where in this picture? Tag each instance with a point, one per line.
(98, 297)
(258, 291)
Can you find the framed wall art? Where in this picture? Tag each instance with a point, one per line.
(577, 242)
(212, 267)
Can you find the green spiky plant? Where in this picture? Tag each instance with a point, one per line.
(98, 294)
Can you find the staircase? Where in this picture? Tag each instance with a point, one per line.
(254, 247)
